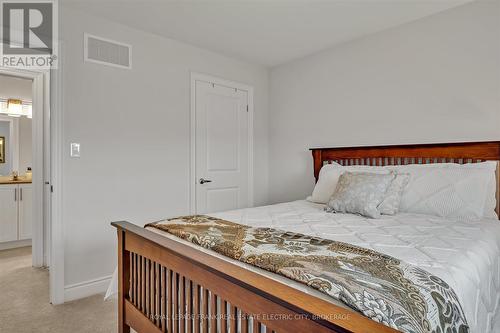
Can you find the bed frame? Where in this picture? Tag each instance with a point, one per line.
(167, 286)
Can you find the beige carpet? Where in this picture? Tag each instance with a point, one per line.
(24, 302)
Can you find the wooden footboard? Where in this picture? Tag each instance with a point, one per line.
(167, 286)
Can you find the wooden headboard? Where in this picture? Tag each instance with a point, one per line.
(466, 152)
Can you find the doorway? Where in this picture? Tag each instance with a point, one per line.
(221, 144)
(24, 101)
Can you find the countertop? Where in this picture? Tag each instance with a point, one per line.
(6, 180)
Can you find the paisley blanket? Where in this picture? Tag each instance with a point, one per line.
(380, 287)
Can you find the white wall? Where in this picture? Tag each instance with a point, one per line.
(434, 80)
(133, 126)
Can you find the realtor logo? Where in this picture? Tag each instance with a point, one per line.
(29, 34)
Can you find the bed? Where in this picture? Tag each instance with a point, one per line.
(152, 265)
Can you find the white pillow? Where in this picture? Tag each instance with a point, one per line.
(329, 176)
(461, 191)
(491, 197)
(326, 184)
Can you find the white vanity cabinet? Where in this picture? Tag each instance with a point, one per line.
(25, 211)
(16, 214)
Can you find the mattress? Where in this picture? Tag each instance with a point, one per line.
(464, 254)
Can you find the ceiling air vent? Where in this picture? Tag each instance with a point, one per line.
(107, 52)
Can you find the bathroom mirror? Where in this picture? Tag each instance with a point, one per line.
(16, 145)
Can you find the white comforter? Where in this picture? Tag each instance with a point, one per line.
(464, 254)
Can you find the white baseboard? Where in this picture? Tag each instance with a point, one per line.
(87, 288)
(15, 244)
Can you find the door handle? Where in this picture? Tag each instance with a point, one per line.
(15, 194)
(203, 181)
(20, 194)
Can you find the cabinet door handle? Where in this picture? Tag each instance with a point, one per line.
(20, 194)
(15, 194)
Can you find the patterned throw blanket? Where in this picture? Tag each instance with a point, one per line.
(381, 287)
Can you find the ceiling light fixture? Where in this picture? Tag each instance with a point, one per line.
(14, 107)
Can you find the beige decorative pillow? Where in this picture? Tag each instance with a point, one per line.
(360, 193)
(329, 176)
(392, 199)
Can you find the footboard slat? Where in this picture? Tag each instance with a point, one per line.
(143, 284)
(163, 298)
(182, 304)
(233, 319)
(146, 288)
(131, 273)
(256, 326)
(152, 290)
(157, 294)
(213, 313)
(169, 300)
(196, 308)
(139, 281)
(189, 309)
(175, 307)
(244, 322)
(223, 316)
(204, 310)
(134, 277)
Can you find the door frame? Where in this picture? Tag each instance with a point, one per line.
(195, 76)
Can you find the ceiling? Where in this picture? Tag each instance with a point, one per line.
(268, 32)
(15, 87)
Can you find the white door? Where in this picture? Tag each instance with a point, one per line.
(8, 213)
(25, 211)
(221, 148)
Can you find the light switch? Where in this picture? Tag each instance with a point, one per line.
(75, 150)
